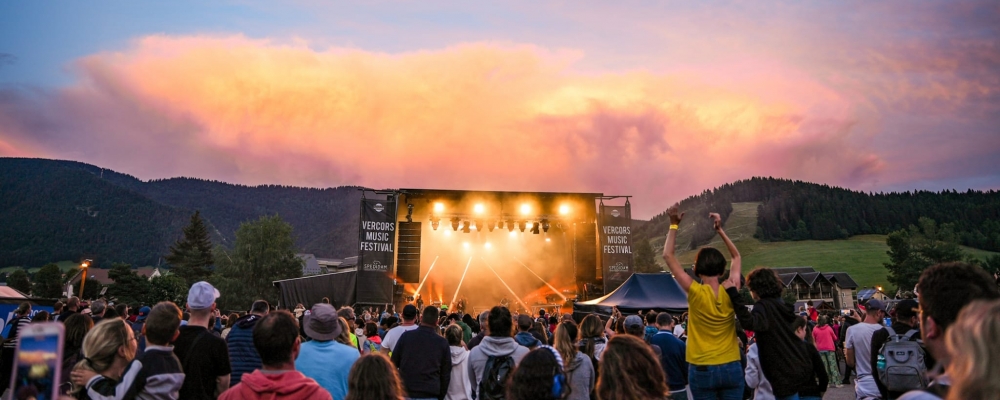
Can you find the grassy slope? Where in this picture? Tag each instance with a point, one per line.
(860, 256)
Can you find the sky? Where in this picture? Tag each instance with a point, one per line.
(659, 100)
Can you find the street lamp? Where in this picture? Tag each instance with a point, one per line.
(84, 266)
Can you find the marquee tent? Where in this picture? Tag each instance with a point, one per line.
(642, 292)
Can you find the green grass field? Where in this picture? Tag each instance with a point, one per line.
(63, 265)
(860, 256)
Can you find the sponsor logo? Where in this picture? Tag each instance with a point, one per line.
(376, 266)
(615, 213)
(378, 207)
(618, 267)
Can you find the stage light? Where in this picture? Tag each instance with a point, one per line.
(479, 208)
(525, 209)
(545, 225)
(488, 245)
(513, 234)
(491, 224)
(510, 225)
(466, 228)
(522, 225)
(479, 225)
(435, 222)
(438, 207)
(534, 228)
(564, 209)
(454, 224)
(548, 239)
(465, 244)
(447, 233)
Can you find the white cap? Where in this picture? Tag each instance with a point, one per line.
(202, 295)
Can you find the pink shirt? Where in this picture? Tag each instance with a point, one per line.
(825, 338)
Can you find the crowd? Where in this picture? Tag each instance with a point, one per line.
(943, 344)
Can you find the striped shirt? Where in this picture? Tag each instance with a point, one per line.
(16, 325)
(154, 374)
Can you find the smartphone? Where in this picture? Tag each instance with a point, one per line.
(38, 362)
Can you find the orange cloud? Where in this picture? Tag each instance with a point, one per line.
(477, 116)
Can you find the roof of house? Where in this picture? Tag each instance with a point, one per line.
(843, 279)
(786, 279)
(146, 271)
(797, 270)
(95, 274)
(9, 292)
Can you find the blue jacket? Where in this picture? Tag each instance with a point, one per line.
(242, 355)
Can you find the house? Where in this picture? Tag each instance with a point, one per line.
(313, 265)
(809, 285)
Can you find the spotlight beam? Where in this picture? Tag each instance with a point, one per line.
(505, 285)
(455, 297)
(421, 286)
(539, 278)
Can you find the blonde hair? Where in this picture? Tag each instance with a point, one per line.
(345, 332)
(100, 346)
(974, 344)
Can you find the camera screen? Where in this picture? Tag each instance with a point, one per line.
(36, 367)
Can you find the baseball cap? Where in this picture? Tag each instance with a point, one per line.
(322, 323)
(633, 320)
(875, 304)
(143, 313)
(409, 312)
(906, 309)
(202, 295)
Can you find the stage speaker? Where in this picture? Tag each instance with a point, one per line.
(408, 261)
(585, 252)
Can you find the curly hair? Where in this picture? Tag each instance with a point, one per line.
(976, 337)
(946, 288)
(374, 377)
(765, 283)
(534, 376)
(630, 370)
(709, 262)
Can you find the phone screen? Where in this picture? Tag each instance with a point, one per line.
(37, 362)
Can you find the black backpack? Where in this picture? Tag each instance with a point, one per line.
(494, 383)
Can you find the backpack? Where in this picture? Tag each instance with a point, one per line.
(900, 364)
(494, 383)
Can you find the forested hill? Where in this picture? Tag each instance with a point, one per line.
(796, 210)
(64, 210)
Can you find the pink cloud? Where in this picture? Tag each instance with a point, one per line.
(478, 116)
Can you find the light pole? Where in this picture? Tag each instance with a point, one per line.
(84, 266)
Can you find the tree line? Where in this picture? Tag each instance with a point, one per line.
(796, 210)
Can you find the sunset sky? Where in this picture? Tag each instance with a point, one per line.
(660, 100)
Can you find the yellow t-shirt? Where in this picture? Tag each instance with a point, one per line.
(711, 327)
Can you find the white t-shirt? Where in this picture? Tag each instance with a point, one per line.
(393, 335)
(859, 338)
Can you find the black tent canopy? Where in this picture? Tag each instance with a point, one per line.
(641, 292)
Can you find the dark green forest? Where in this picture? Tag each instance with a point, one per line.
(64, 210)
(796, 210)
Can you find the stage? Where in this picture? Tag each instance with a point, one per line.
(530, 250)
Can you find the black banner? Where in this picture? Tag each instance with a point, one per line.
(377, 251)
(616, 245)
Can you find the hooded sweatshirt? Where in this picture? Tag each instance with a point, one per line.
(784, 361)
(458, 388)
(243, 355)
(492, 346)
(271, 385)
(581, 377)
(526, 339)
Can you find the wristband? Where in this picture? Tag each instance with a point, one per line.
(674, 227)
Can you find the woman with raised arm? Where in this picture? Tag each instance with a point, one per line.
(713, 351)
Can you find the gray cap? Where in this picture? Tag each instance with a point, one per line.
(633, 320)
(322, 323)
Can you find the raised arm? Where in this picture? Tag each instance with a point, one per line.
(669, 254)
(735, 269)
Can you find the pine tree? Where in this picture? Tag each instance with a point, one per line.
(644, 260)
(191, 257)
